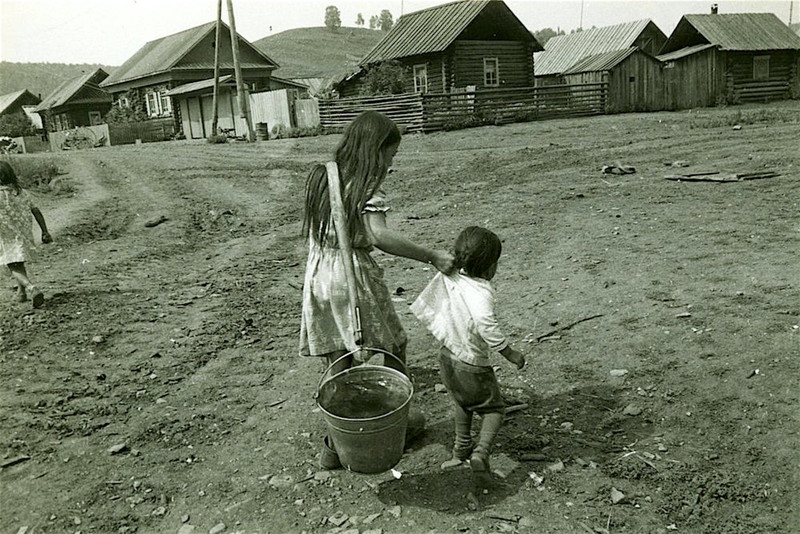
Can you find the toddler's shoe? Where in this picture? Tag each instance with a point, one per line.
(460, 455)
(328, 458)
(481, 472)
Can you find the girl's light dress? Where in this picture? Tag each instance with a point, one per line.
(16, 225)
(326, 325)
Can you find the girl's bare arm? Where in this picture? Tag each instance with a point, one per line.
(393, 242)
(37, 214)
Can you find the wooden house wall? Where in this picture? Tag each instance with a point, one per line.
(694, 81)
(782, 75)
(636, 84)
(514, 58)
(436, 77)
(197, 113)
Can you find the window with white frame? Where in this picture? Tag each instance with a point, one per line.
(491, 72)
(95, 118)
(761, 67)
(123, 102)
(166, 103)
(420, 78)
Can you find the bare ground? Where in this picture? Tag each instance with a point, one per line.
(160, 386)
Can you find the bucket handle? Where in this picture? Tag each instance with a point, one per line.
(360, 350)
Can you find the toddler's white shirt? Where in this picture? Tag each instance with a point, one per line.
(459, 312)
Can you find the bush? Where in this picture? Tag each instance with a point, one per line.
(217, 139)
(386, 78)
(39, 172)
(16, 125)
(280, 131)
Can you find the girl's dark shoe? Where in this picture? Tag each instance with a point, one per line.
(38, 297)
(416, 425)
(328, 458)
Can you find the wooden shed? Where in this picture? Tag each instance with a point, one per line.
(478, 43)
(634, 79)
(196, 104)
(77, 102)
(563, 52)
(730, 58)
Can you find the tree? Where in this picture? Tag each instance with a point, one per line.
(359, 20)
(333, 19)
(384, 79)
(373, 22)
(545, 34)
(385, 20)
(16, 125)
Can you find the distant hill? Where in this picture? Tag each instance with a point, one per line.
(318, 52)
(41, 78)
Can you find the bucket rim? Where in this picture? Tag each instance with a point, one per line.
(369, 419)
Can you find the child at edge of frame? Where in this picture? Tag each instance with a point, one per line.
(16, 233)
(458, 309)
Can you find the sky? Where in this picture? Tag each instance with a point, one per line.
(108, 32)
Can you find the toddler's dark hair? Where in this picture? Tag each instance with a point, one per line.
(476, 250)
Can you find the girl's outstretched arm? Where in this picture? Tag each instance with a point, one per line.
(393, 242)
(37, 214)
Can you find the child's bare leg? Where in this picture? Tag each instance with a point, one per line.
(328, 458)
(23, 282)
(20, 274)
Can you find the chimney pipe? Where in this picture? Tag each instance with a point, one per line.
(714, 9)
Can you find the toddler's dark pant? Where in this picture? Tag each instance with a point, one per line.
(474, 390)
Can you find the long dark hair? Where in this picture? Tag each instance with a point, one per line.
(476, 250)
(362, 169)
(8, 176)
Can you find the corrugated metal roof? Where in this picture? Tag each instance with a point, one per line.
(600, 62)
(563, 51)
(683, 52)
(430, 30)
(8, 100)
(198, 86)
(733, 31)
(64, 92)
(162, 54)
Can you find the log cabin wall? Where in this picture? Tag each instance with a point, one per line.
(761, 75)
(514, 63)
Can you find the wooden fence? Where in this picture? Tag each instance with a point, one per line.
(446, 111)
(148, 131)
(405, 110)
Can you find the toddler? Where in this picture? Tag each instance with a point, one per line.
(458, 309)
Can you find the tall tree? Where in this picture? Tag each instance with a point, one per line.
(359, 20)
(385, 20)
(333, 19)
(373, 22)
(546, 34)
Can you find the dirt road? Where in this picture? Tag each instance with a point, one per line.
(159, 387)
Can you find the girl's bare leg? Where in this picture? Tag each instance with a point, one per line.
(21, 276)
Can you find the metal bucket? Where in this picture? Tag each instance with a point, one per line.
(366, 410)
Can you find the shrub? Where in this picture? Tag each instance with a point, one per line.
(39, 172)
(217, 139)
(16, 125)
(385, 79)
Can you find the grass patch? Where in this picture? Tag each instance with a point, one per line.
(40, 173)
(743, 117)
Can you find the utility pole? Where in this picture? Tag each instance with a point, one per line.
(581, 24)
(215, 120)
(241, 95)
